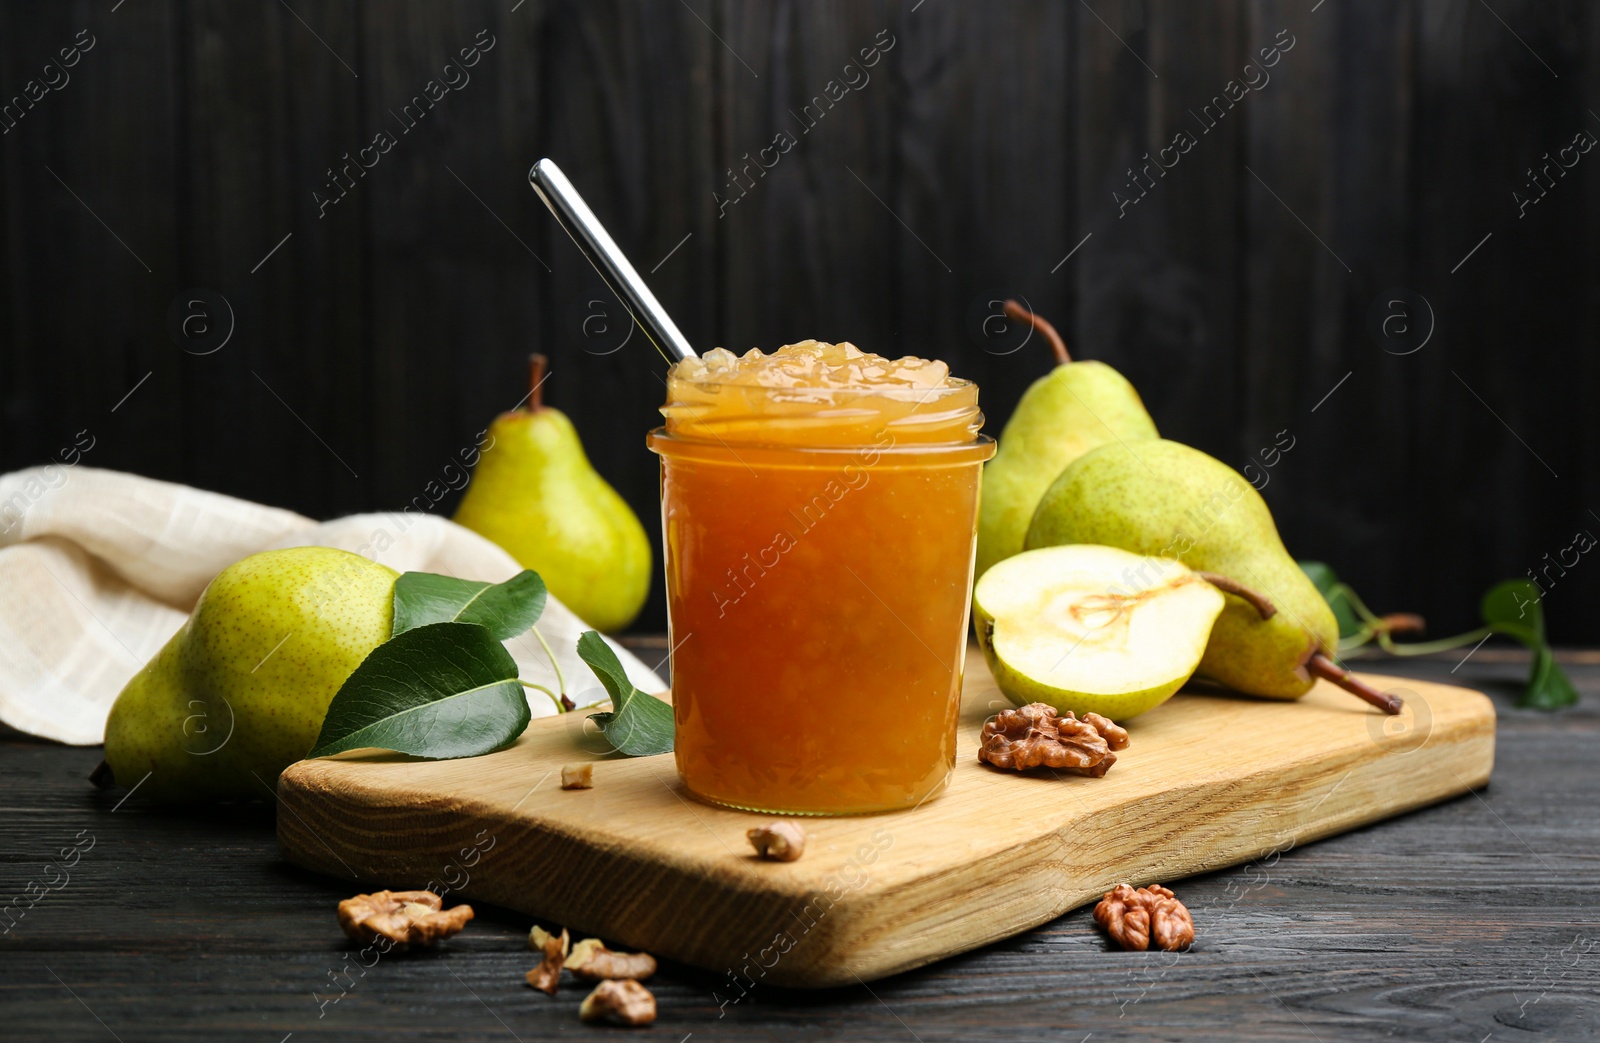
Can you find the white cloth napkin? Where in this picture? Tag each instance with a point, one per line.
(98, 568)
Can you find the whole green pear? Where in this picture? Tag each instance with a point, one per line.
(1072, 409)
(1166, 500)
(239, 692)
(535, 494)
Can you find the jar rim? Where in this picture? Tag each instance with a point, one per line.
(665, 443)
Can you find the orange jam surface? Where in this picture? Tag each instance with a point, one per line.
(819, 505)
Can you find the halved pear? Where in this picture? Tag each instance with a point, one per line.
(1093, 629)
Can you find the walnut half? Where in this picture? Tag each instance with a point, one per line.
(547, 976)
(592, 961)
(404, 917)
(620, 1003)
(1036, 735)
(1135, 918)
(780, 840)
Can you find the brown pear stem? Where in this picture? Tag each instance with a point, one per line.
(102, 777)
(536, 369)
(1263, 604)
(1403, 623)
(1325, 668)
(567, 704)
(1018, 313)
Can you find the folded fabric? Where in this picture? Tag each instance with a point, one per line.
(99, 568)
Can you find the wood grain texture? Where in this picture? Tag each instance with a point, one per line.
(1432, 926)
(992, 135)
(878, 895)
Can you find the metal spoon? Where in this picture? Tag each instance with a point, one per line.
(602, 251)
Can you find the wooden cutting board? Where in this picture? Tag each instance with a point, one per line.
(1207, 781)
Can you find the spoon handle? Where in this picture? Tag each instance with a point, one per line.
(602, 251)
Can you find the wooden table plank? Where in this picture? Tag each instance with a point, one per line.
(1439, 925)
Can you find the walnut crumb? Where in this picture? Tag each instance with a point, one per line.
(592, 961)
(404, 917)
(577, 776)
(1037, 735)
(1150, 914)
(620, 1003)
(781, 840)
(547, 975)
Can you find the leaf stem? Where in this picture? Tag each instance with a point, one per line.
(1355, 601)
(1443, 644)
(1357, 640)
(561, 682)
(541, 688)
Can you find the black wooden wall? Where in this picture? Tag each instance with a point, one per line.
(990, 149)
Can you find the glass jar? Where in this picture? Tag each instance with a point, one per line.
(819, 552)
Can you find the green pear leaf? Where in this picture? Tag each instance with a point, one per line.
(507, 609)
(1549, 687)
(1512, 608)
(638, 724)
(1336, 594)
(440, 691)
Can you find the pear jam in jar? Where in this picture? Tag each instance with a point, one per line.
(819, 506)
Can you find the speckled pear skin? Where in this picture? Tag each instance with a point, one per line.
(1072, 409)
(535, 493)
(1163, 498)
(239, 692)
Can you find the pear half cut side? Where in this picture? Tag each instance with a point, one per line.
(1093, 629)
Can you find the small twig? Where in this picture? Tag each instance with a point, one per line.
(1351, 598)
(1018, 313)
(1263, 605)
(1402, 623)
(1443, 644)
(560, 708)
(561, 682)
(1325, 668)
(1360, 639)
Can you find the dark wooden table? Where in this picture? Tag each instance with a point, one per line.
(1475, 919)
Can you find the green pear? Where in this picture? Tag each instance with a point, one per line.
(1093, 629)
(1165, 500)
(239, 692)
(1077, 406)
(535, 493)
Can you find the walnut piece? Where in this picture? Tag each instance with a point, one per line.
(780, 840)
(577, 776)
(620, 1003)
(1036, 735)
(547, 975)
(1136, 918)
(592, 961)
(404, 917)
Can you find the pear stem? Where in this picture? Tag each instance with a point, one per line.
(102, 777)
(536, 374)
(1263, 605)
(1018, 313)
(1325, 668)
